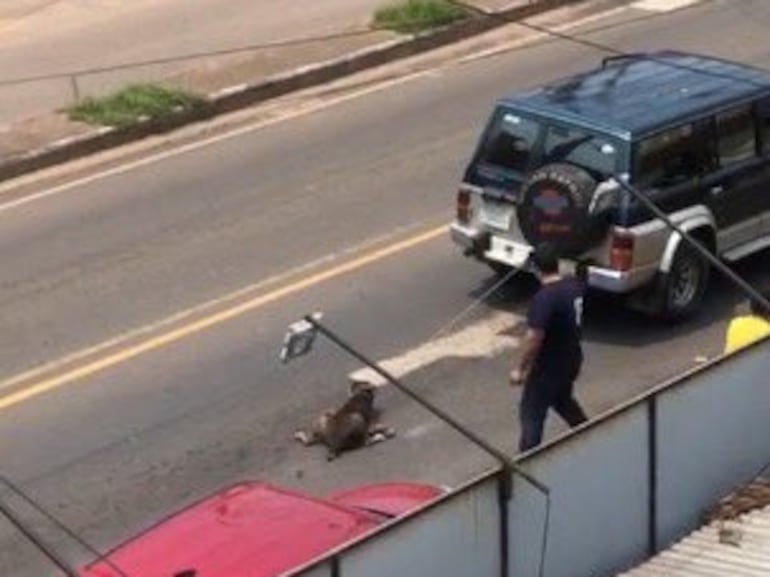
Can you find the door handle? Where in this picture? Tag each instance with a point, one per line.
(717, 190)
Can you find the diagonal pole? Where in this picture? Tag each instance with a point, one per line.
(37, 541)
(694, 243)
(504, 459)
(508, 465)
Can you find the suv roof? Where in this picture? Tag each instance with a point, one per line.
(634, 95)
(258, 530)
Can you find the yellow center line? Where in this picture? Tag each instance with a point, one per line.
(199, 325)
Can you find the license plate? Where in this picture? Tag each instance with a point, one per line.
(496, 215)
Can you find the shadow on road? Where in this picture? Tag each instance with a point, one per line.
(608, 319)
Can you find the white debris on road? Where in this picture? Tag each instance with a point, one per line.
(485, 338)
(663, 5)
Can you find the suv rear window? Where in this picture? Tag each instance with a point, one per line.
(510, 141)
(515, 142)
(593, 153)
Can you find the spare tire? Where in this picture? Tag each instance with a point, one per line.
(554, 208)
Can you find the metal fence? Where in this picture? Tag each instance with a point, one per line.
(456, 537)
(621, 488)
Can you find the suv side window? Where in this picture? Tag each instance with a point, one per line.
(670, 157)
(736, 135)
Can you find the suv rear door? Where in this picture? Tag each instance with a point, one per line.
(672, 167)
(738, 188)
(763, 125)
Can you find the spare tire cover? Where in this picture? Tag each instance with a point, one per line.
(554, 208)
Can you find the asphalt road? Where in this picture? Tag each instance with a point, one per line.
(337, 210)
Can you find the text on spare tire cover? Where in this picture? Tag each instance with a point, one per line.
(552, 201)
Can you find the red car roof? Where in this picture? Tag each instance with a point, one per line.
(255, 530)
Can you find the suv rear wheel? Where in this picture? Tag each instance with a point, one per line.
(685, 284)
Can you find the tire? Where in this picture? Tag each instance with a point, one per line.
(554, 208)
(685, 284)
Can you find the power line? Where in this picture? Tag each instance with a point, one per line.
(184, 57)
(602, 47)
(363, 32)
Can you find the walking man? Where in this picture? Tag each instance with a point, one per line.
(552, 354)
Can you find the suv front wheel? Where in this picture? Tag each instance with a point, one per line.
(685, 284)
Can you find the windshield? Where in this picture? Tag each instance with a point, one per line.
(519, 143)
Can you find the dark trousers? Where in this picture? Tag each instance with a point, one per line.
(542, 392)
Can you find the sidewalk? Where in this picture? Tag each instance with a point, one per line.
(238, 81)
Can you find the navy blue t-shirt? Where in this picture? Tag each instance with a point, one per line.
(557, 310)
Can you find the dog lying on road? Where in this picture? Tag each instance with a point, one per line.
(351, 426)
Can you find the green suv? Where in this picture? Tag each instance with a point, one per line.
(691, 133)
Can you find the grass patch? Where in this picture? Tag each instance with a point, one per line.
(414, 16)
(126, 107)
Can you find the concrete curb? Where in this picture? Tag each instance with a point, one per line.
(236, 97)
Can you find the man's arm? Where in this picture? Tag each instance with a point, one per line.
(533, 340)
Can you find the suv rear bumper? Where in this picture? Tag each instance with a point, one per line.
(473, 241)
(488, 247)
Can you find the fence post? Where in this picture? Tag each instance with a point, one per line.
(75, 88)
(652, 464)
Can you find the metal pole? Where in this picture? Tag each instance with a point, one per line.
(75, 88)
(705, 253)
(29, 534)
(61, 526)
(508, 466)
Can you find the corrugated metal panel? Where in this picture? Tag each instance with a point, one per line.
(737, 547)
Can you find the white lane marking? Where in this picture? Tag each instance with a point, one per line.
(663, 5)
(482, 339)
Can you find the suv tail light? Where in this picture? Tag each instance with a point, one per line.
(464, 212)
(621, 251)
